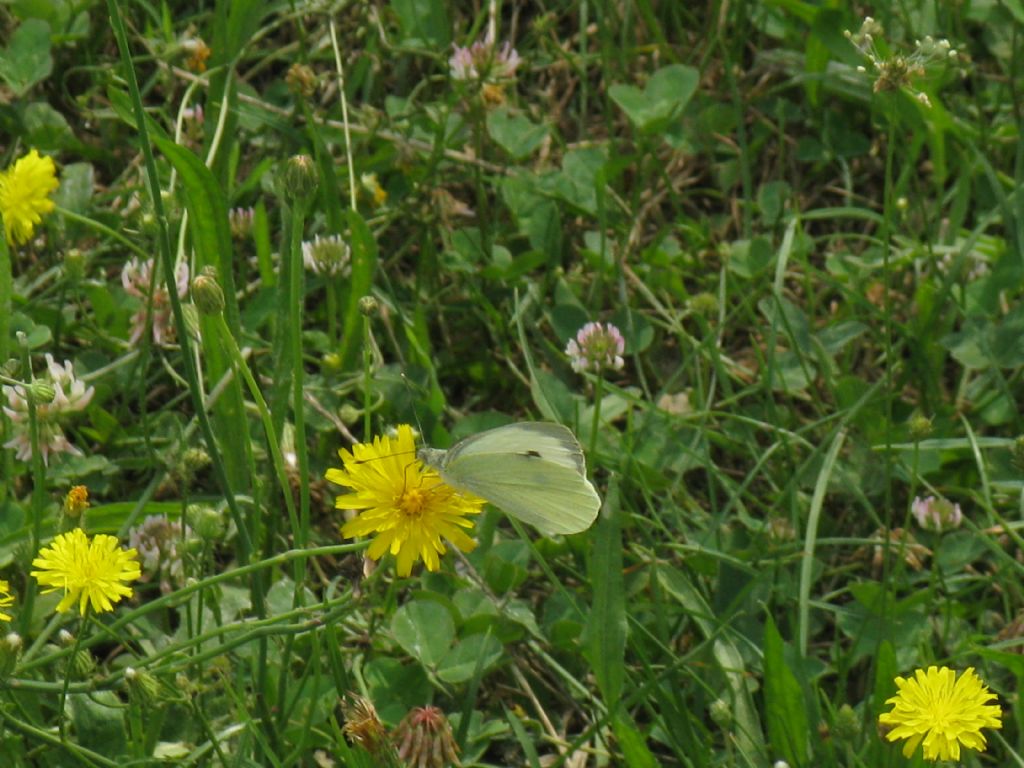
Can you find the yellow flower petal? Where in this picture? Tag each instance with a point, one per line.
(6, 599)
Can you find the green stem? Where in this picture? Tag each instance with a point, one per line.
(595, 423)
(295, 299)
(6, 294)
(38, 489)
(332, 312)
(104, 230)
(367, 377)
(68, 667)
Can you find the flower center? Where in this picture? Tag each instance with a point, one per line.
(412, 502)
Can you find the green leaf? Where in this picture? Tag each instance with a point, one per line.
(631, 742)
(469, 657)
(244, 17)
(26, 60)
(99, 721)
(395, 688)
(424, 23)
(425, 630)
(606, 624)
(636, 329)
(364, 267)
(515, 134)
(46, 128)
(748, 732)
(535, 213)
(211, 236)
(578, 180)
(667, 91)
(748, 258)
(75, 193)
(506, 565)
(785, 713)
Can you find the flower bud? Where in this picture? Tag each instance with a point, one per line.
(206, 521)
(76, 501)
(42, 392)
(75, 263)
(299, 178)
(301, 80)
(721, 713)
(142, 686)
(424, 738)
(206, 292)
(349, 414)
(191, 315)
(10, 651)
(1017, 451)
(240, 220)
(369, 306)
(81, 664)
(363, 726)
(704, 304)
(920, 426)
(847, 724)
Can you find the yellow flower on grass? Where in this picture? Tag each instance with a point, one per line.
(92, 572)
(6, 599)
(404, 503)
(24, 195)
(944, 712)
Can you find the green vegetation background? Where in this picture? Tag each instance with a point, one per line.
(817, 269)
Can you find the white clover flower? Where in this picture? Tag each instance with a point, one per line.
(934, 514)
(480, 61)
(70, 395)
(159, 544)
(326, 255)
(136, 278)
(596, 347)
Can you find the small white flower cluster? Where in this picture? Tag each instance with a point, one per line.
(597, 347)
(978, 267)
(69, 395)
(326, 255)
(895, 71)
(934, 514)
(482, 62)
(136, 277)
(159, 542)
(240, 221)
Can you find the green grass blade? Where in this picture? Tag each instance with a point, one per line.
(785, 713)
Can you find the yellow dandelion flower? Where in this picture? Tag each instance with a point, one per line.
(92, 572)
(24, 195)
(942, 711)
(404, 502)
(6, 599)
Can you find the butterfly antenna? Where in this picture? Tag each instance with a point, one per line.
(412, 399)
